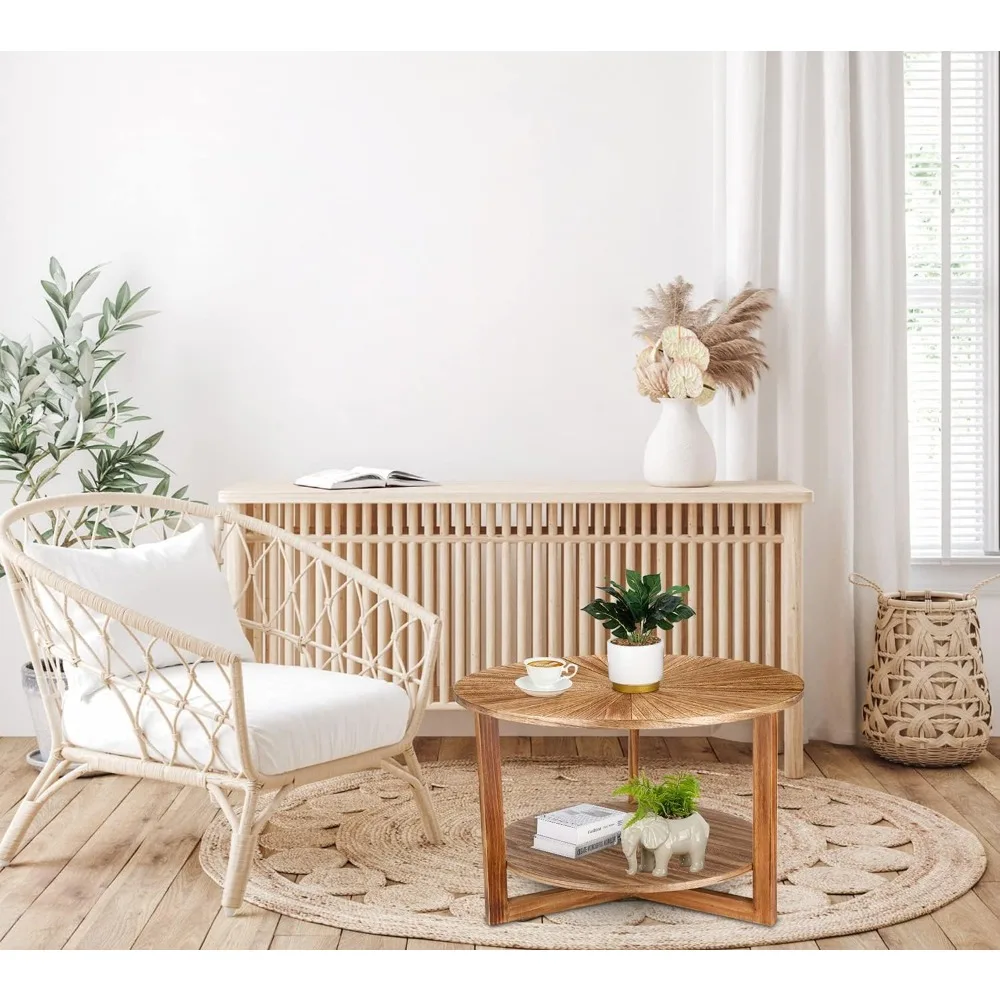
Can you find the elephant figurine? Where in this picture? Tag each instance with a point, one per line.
(650, 843)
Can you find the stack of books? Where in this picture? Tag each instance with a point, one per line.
(579, 830)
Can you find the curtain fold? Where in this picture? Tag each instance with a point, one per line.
(809, 179)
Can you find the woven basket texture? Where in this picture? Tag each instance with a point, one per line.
(927, 701)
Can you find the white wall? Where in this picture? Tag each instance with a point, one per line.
(418, 260)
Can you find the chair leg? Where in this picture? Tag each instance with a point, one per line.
(53, 770)
(431, 825)
(241, 851)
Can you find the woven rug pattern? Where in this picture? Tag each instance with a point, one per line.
(350, 853)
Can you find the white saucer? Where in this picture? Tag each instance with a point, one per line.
(525, 684)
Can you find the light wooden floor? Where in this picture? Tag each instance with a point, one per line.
(112, 862)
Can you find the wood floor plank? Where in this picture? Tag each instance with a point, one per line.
(869, 941)
(251, 928)
(965, 793)
(651, 747)
(13, 749)
(185, 914)
(57, 912)
(357, 940)
(116, 920)
(995, 746)
(731, 752)
(307, 942)
(420, 944)
(553, 746)
(599, 746)
(51, 808)
(840, 764)
(53, 845)
(692, 748)
(458, 748)
(969, 923)
(986, 771)
(921, 934)
(427, 748)
(515, 746)
(14, 783)
(809, 766)
(989, 893)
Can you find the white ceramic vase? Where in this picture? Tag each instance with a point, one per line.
(635, 669)
(679, 452)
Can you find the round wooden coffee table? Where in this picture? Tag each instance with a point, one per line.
(696, 691)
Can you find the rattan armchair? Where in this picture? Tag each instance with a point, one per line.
(357, 626)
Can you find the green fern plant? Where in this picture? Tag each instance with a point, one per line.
(675, 797)
(639, 608)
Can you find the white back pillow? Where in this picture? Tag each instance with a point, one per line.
(176, 581)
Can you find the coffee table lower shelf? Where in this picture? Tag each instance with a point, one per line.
(730, 846)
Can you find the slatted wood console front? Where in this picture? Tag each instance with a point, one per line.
(508, 566)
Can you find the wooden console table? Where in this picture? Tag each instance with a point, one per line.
(508, 566)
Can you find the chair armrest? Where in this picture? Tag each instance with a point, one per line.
(307, 607)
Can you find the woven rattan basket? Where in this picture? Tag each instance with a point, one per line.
(927, 702)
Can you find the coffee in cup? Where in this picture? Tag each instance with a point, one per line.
(547, 671)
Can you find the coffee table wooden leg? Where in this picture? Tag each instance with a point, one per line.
(765, 819)
(491, 818)
(633, 753)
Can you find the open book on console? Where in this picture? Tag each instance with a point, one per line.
(361, 477)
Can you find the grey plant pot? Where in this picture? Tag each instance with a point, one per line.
(29, 682)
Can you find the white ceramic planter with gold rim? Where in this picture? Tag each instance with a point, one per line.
(635, 669)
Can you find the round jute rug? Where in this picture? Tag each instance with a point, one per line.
(350, 853)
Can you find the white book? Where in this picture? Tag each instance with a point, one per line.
(361, 477)
(574, 851)
(580, 823)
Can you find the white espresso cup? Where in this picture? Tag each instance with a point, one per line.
(547, 671)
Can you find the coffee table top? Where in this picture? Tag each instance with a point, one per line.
(695, 691)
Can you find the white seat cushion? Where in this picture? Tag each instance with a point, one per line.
(296, 717)
(176, 581)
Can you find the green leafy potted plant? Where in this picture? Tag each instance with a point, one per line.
(58, 413)
(664, 823)
(634, 616)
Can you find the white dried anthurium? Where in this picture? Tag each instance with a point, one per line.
(688, 356)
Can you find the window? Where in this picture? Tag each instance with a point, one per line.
(951, 119)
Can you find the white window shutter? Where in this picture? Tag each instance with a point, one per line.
(951, 301)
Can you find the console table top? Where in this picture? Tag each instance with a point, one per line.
(522, 492)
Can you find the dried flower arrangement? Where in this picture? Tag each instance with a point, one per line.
(693, 352)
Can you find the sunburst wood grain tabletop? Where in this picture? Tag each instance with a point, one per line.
(695, 691)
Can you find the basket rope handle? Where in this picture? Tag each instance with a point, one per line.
(862, 581)
(982, 583)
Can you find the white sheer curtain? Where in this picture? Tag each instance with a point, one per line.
(809, 201)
